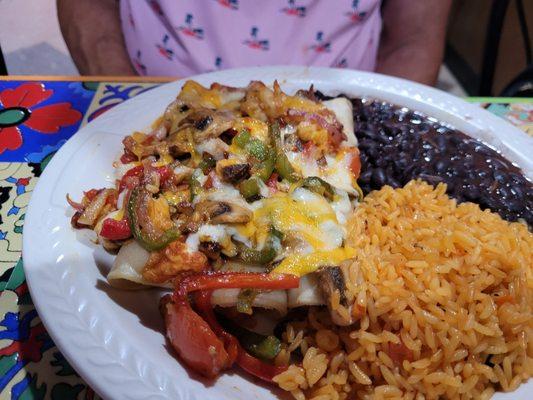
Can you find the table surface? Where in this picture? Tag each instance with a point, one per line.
(37, 116)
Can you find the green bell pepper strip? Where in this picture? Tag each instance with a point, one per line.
(207, 164)
(252, 256)
(284, 168)
(266, 349)
(319, 186)
(252, 146)
(147, 239)
(249, 188)
(282, 165)
(263, 256)
(257, 148)
(245, 300)
(195, 185)
(242, 138)
(261, 346)
(264, 169)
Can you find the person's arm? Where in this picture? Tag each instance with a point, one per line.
(412, 39)
(92, 31)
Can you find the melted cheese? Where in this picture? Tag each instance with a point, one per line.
(303, 264)
(336, 172)
(302, 213)
(214, 146)
(194, 93)
(257, 128)
(301, 104)
(207, 232)
(343, 110)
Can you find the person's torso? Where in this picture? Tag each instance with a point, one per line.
(170, 37)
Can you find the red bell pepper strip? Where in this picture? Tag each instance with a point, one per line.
(234, 280)
(203, 304)
(91, 194)
(258, 368)
(194, 341)
(115, 230)
(202, 343)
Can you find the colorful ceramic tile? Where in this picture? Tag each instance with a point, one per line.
(518, 114)
(31, 367)
(109, 94)
(17, 181)
(38, 114)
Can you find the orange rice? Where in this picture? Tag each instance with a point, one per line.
(443, 296)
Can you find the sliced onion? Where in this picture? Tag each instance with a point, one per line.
(91, 212)
(129, 263)
(159, 133)
(77, 206)
(307, 294)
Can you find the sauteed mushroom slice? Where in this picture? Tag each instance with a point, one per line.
(222, 212)
(207, 124)
(236, 173)
(333, 285)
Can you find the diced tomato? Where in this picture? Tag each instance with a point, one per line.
(115, 230)
(131, 178)
(308, 148)
(127, 158)
(399, 352)
(355, 163)
(272, 182)
(504, 299)
(165, 173)
(203, 303)
(208, 182)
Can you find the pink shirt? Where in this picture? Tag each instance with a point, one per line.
(186, 37)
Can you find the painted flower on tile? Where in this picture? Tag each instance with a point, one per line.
(20, 106)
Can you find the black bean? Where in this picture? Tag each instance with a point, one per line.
(378, 177)
(471, 193)
(395, 150)
(499, 164)
(514, 205)
(373, 153)
(433, 179)
(500, 176)
(441, 166)
(366, 144)
(391, 181)
(365, 176)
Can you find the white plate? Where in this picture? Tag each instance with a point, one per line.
(114, 338)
